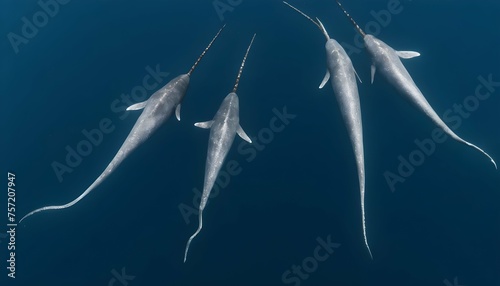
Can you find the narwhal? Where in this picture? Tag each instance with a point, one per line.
(223, 128)
(387, 61)
(157, 110)
(343, 79)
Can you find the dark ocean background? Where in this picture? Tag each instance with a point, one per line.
(442, 224)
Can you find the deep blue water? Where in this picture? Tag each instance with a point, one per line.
(301, 186)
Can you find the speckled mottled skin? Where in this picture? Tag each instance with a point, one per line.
(157, 111)
(223, 128)
(342, 75)
(386, 61)
(343, 80)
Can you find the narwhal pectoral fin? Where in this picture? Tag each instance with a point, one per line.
(178, 112)
(137, 106)
(373, 70)
(407, 54)
(243, 135)
(204, 125)
(325, 79)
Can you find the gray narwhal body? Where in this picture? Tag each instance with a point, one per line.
(387, 62)
(342, 75)
(157, 110)
(223, 128)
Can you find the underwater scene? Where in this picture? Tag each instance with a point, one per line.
(250, 142)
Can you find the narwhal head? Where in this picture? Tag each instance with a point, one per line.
(375, 46)
(371, 42)
(231, 103)
(174, 91)
(332, 47)
(232, 100)
(182, 83)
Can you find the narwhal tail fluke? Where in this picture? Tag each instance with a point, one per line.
(109, 169)
(459, 139)
(200, 226)
(480, 150)
(361, 176)
(364, 228)
(88, 190)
